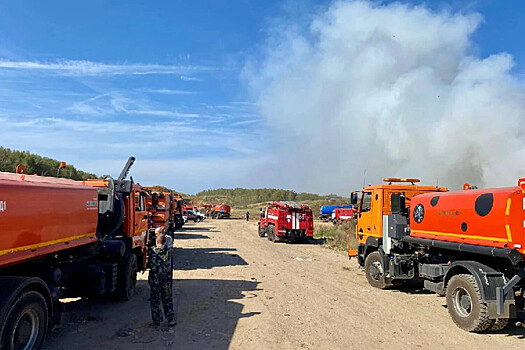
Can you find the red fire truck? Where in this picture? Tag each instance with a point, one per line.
(285, 220)
(341, 215)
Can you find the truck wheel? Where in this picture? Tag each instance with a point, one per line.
(465, 306)
(128, 278)
(271, 233)
(499, 324)
(374, 271)
(26, 323)
(260, 230)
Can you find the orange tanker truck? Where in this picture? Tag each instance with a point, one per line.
(466, 245)
(61, 238)
(158, 204)
(165, 209)
(177, 208)
(221, 211)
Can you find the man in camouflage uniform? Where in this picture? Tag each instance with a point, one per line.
(160, 279)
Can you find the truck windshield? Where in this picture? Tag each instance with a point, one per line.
(366, 200)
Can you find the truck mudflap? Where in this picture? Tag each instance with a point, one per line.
(503, 292)
(495, 290)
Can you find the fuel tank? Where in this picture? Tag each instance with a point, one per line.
(491, 217)
(42, 215)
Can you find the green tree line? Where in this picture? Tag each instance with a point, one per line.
(39, 165)
(243, 196)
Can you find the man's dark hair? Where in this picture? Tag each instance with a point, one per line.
(161, 239)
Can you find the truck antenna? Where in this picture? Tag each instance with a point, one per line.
(364, 178)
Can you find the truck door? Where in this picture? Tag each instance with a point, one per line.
(140, 214)
(377, 213)
(364, 222)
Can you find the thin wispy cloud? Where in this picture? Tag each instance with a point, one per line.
(162, 113)
(90, 68)
(187, 78)
(108, 104)
(169, 92)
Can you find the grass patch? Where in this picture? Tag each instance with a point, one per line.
(338, 236)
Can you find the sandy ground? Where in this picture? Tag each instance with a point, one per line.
(234, 290)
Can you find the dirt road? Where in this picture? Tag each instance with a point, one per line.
(234, 290)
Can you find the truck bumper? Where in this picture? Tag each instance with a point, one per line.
(296, 233)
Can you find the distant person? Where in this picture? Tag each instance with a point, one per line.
(160, 279)
(247, 216)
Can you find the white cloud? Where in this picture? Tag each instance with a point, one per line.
(115, 103)
(187, 78)
(393, 89)
(90, 68)
(169, 91)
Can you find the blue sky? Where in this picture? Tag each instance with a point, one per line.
(92, 83)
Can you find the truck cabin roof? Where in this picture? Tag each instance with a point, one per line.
(289, 205)
(105, 183)
(400, 184)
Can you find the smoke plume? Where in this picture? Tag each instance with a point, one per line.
(393, 90)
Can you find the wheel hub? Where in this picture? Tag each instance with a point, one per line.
(462, 302)
(376, 270)
(26, 331)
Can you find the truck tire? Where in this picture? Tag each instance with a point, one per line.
(374, 271)
(465, 306)
(26, 322)
(260, 230)
(499, 324)
(271, 233)
(128, 278)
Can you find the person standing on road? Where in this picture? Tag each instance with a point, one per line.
(169, 246)
(247, 216)
(160, 279)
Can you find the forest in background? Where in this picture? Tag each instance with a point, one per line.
(243, 196)
(236, 197)
(39, 165)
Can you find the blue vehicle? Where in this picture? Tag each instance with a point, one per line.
(325, 212)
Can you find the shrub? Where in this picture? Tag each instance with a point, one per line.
(337, 236)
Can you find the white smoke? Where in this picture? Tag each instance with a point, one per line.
(395, 90)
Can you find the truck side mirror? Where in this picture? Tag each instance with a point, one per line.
(353, 198)
(397, 203)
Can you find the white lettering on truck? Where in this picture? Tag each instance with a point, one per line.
(3, 206)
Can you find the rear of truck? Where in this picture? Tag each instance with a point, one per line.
(47, 226)
(61, 238)
(286, 220)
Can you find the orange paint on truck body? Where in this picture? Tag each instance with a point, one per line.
(489, 217)
(375, 202)
(158, 205)
(42, 215)
(223, 208)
